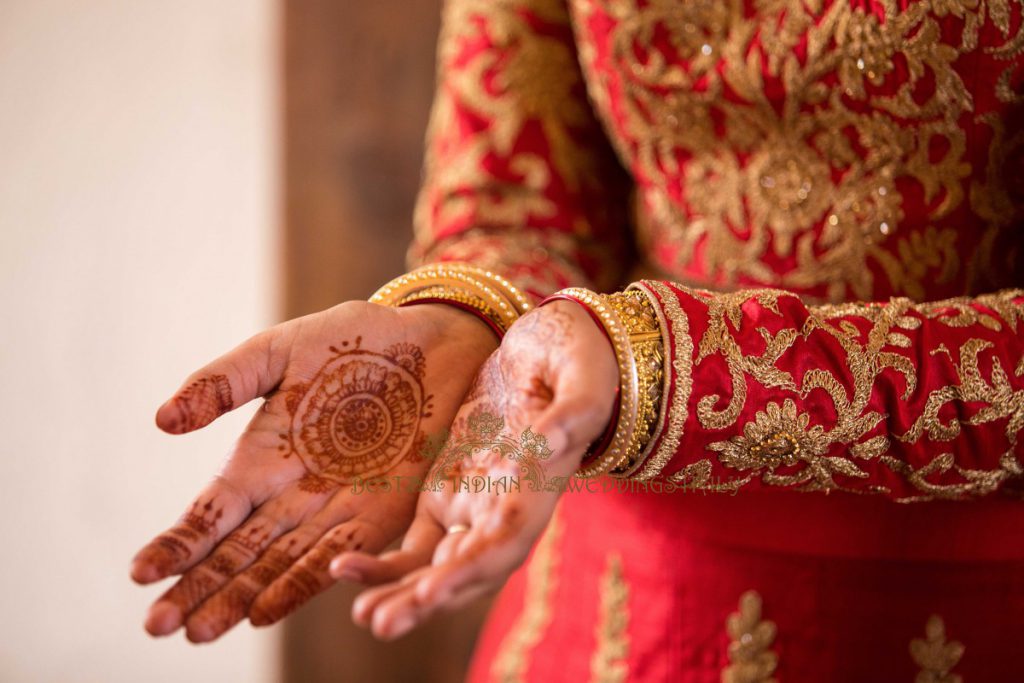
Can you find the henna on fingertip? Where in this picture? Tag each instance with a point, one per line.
(196, 406)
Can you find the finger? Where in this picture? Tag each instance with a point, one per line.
(487, 553)
(230, 605)
(583, 396)
(218, 509)
(250, 370)
(417, 548)
(478, 563)
(403, 611)
(234, 554)
(308, 576)
(448, 547)
(575, 417)
(366, 603)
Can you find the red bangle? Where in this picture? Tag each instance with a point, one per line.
(495, 328)
(598, 447)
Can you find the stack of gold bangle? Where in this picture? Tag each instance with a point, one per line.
(632, 328)
(486, 293)
(637, 314)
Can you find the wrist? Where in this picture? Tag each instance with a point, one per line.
(632, 330)
(451, 321)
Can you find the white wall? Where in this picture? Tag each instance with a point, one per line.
(137, 229)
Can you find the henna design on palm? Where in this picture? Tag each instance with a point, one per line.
(359, 415)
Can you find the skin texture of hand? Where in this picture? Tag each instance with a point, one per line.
(555, 373)
(351, 393)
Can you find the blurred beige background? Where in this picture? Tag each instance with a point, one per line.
(138, 213)
(173, 178)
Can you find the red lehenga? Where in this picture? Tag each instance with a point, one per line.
(853, 470)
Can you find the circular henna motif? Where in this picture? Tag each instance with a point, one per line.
(359, 417)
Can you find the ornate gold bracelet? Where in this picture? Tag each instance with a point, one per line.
(631, 326)
(637, 315)
(492, 297)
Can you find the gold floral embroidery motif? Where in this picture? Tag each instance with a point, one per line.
(512, 660)
(777, 146)
(780, 436)
(750, 655)
(935, 655)
(609, 663)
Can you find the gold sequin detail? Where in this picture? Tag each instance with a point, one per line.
(609, 663)
(750, 655)
(935, 655)
(512, 660)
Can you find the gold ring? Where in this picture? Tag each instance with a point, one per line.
(458, 528)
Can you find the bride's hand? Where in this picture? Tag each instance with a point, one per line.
(555, 375)
(351, 393)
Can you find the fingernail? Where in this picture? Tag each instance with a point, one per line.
(337, 568)
(199, 633)
(144, 572)
(429, 593)
(164, 618)
(402, 626)
(350, 574)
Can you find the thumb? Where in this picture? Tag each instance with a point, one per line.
(576, 417)
(249, 370)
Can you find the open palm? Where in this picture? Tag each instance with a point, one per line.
(351, 395)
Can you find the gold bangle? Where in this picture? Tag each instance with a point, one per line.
(462, 283)
(618, 449)
(446, 293)
(638, 316)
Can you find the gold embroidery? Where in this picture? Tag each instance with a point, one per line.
(609, 663)
(783, 446)
(718, 339)
(739, 176)
(780, 436)
(750, 655)
(512, 660)
(934, 655)
(526, 78)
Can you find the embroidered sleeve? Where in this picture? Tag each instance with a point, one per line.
(519, 177)
(911, 401)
